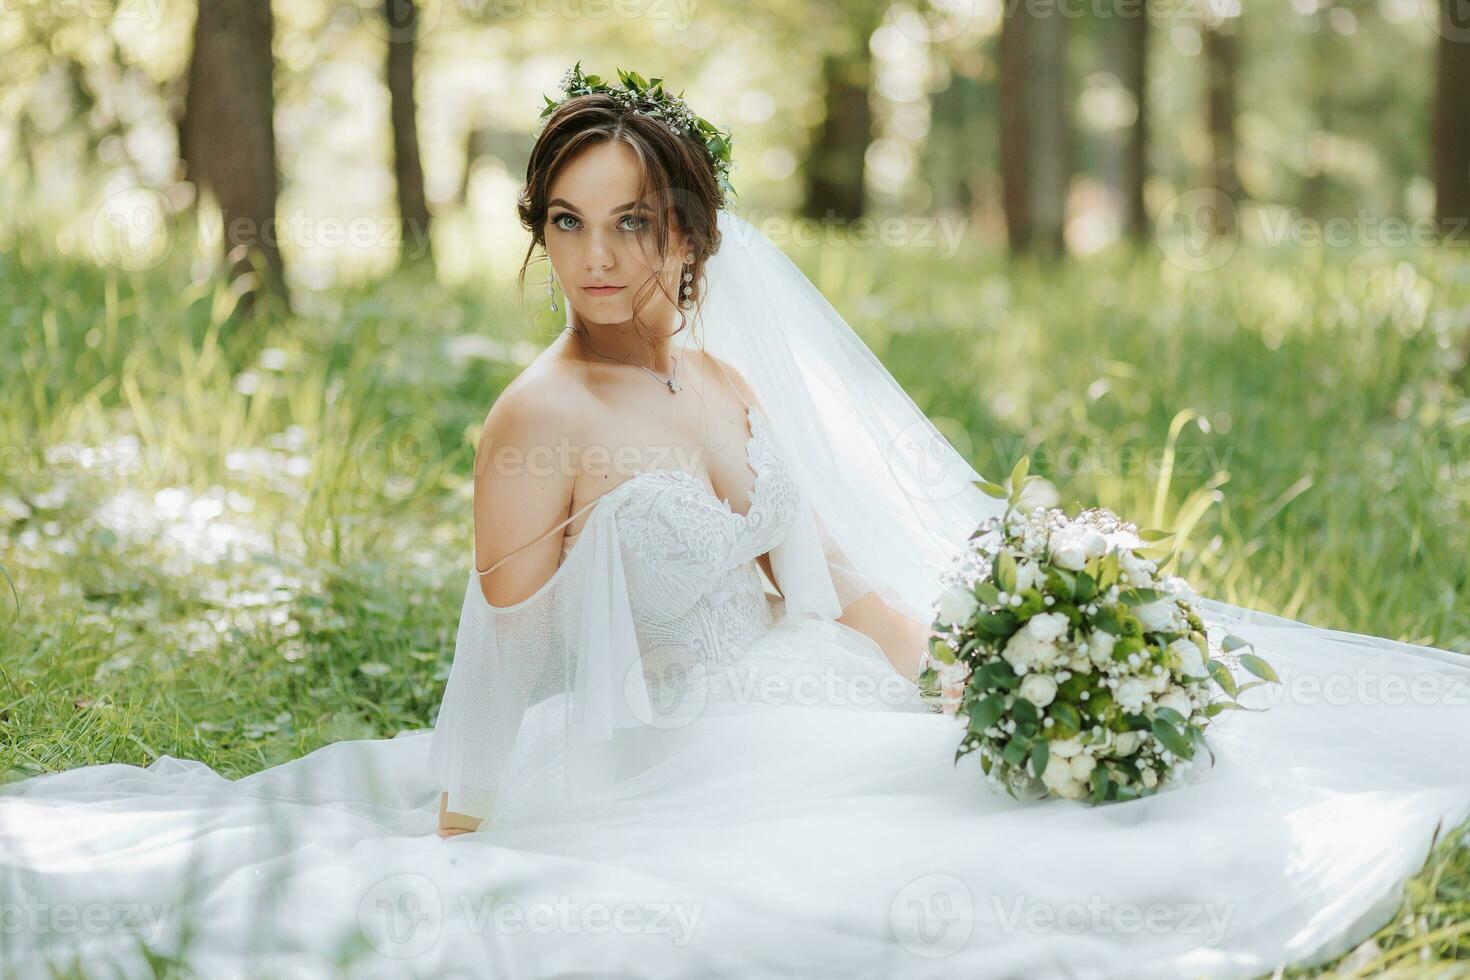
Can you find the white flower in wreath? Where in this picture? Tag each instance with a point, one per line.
(956, 606)
(1149, 777)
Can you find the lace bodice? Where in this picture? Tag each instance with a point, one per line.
(661, 584)
(694, 585)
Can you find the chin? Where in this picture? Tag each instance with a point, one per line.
(604, 313)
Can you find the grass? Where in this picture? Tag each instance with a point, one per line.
(238, 540)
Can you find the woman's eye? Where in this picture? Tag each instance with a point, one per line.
(556, 222)
(638, 222)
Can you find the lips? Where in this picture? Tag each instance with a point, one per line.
(601, 290)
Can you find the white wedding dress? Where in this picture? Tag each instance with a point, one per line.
(786, 808)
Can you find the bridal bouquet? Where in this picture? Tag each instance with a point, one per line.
(1080, 671)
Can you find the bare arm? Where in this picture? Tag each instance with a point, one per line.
(523, 486)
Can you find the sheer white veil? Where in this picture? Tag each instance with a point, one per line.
(892, 493)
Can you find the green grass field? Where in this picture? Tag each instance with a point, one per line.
(236, 540)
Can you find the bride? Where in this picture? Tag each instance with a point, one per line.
(681, 734)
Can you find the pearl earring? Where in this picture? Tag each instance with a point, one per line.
(551, 293)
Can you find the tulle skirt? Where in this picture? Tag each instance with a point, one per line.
(803, 817)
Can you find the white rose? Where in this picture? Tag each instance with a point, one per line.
(1177, 700)
(1130, 694)
(1068, 552)
(1039, 689)
(1048, 627)
(1136, 571)
(1094, 545)
(1156, 616)
(1179, 588)
(1064, 748)
(1190, 659)
(1100, 647)
(1157, 683)
(1059, 779)
(1149, 777)
(957, 605)
(1077, 661)
(1025, 652)
(1126, 743)
(1082, 766)
(1029, 575)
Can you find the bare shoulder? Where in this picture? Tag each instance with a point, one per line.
(542, 406)
(720, 366)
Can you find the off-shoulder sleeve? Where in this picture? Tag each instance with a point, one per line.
(546, 682)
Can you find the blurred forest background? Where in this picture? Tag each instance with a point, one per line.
(1205, 262)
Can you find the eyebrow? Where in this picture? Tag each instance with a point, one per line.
(631, 205)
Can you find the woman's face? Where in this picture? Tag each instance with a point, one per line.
(598, 233)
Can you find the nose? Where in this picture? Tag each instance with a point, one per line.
(599, 255)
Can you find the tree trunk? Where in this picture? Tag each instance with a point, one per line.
(1133, 66)
(1221, 59)
(408, 171)
(228, 136)
(1451, 151)
(835, 167)
(1035, 144)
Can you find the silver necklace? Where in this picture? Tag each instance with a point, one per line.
(672, 381)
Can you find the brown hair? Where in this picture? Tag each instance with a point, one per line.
(677, 177)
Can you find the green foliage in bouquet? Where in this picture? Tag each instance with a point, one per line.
(1078, 671)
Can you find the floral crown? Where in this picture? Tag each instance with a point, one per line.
(647, 96)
